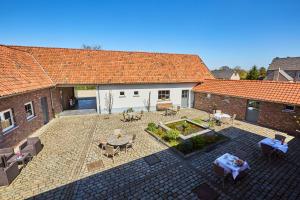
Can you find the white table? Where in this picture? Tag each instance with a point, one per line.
(226, 161)
(219, 116)
(276, 144)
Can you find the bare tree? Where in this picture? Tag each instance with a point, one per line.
(147, 102)
(92, 47)
(109, 100)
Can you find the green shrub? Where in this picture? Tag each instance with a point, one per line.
(171, 135)
(198, 142)
(151, 127)
(159, 132)
(129, 110)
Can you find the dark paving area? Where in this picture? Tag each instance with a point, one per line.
(74, 168)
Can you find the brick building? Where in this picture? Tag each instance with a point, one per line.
(268, 103)
(37, 83)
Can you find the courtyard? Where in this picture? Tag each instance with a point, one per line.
(62, 169)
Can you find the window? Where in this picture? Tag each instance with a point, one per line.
(7, 121)
(164, 94)
(136, 93)
(122, 94)
(29, 110)
(289, 108)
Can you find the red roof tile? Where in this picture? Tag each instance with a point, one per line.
(80, 66)
(20, 72)
(273, 91)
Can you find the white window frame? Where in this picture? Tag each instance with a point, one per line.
(136, 95)
(12, 119)
(123, 94)
(29, 103)
(165, 99)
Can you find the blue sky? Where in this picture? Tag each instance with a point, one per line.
(232, 32)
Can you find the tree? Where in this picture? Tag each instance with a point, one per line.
(253, 73)
(242, 73)
(262, 72)
(224, 68)
(92, 47)
(109, 100)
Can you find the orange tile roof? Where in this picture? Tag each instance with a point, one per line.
(19, 72)
(273, 91)
(80, 66)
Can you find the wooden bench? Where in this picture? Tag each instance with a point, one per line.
(163, 106)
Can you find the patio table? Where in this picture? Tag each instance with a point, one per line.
(118, 140)
(227, 162)
(219, 116)
(276, 144)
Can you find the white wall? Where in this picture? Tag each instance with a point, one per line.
(84, 93)
(139, 103)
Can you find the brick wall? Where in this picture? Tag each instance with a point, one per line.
(270, 114)
(25, 127)
(229, 105)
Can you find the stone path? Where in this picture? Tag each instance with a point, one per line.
(71, 143)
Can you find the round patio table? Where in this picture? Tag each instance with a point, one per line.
(114, 140)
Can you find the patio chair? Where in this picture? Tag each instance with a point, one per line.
(102, 143)
(280, 137)
(111, 151)
(219, 171)
(139, 117)
(7, 152)
(125, 117)
(9, 173)
(267, 150)
(218, 111)
(32, 145)
(130, 143)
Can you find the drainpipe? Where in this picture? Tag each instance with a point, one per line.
(98, 99)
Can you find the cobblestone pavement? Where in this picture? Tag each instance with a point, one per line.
(71, 143)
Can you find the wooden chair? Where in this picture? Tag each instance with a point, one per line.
(219, 171)
(111, 151)
(280, 137)
(130, 144)
(267, 150)
(102, 143)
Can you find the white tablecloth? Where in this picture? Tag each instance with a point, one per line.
(226, 161)
(276, 144)
(219, 116)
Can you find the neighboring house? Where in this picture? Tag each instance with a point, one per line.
(272, 104)
(284, 69)
(226, 74)
(38, 83)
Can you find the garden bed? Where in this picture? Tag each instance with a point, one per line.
(188, 147)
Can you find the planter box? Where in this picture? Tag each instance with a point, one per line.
(186, 137)
(185, 156)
